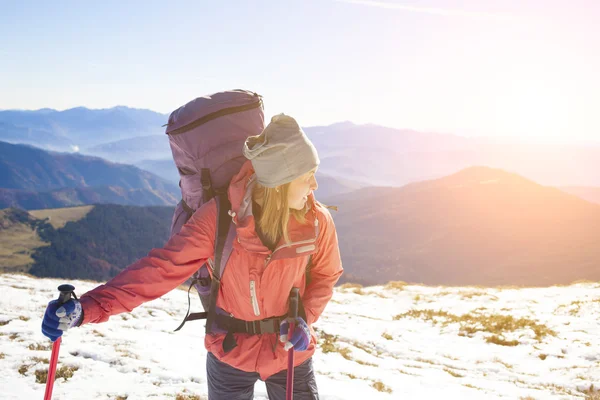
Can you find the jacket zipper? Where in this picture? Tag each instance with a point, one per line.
(268, 259)
(254, 299)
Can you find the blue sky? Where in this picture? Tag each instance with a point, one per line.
(469, 67)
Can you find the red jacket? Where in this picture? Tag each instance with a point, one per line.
(255, 285)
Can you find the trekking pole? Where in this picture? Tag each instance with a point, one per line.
(65, 295)
(292, 315)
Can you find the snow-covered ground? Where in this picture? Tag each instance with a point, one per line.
(407, 342)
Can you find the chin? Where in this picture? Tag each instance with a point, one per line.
(298, 205)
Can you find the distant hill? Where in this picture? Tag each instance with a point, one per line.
(585, 192)
(328, 185)
(133, 150)
(96, 245)
(479, 226)
(19, 238)
(165, 168)
(380, 156)
(82, 127)
(68, 197)
(35, 178)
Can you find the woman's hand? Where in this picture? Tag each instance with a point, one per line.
(300, 338)
(60, 317)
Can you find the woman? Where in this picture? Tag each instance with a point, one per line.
(280, 227)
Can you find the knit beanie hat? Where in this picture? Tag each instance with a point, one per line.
(281, 153)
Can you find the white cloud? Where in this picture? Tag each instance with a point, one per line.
(74, 148)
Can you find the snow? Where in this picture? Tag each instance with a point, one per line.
(137, 356)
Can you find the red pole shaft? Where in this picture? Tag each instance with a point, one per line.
(289, 393)
(52, 369)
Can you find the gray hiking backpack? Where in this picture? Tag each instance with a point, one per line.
(206, 137)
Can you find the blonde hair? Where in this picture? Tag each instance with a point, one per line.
(276, 213)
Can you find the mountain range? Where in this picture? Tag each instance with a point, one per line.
(413, 206)
(365, 154)
(480, 226)
(80, 126)
(34, 178)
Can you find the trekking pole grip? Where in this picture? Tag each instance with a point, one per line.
(66, 292)
(293, 308)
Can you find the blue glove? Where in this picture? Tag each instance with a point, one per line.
(60, 317)
(300, 338)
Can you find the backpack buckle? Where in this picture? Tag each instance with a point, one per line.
(266, 326)
(260, 327)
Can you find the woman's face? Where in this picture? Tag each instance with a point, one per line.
(300, 188)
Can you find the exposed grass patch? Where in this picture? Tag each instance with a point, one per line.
(471, 294)
(358, 291)
(19, 240)
(471, 323)
(405, 372)
(366, 349)
(58, 217)
(96, 333)
(345, 352)
(2, 323)
(66, 372)
(591, 393)
(328, 342)
(386, 336)
(2, 355)
(40, 347)
(13, 336)
(24, 318)
(379, 386)
(507, 365)
(454, 374)
(495, 339)
(185, 396)
(350, 285)
(124, 352)
(366, 363)
(543, 356)
(399, 285)
(41, 375)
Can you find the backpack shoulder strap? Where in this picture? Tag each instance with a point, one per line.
(224, 238)
(223, 245)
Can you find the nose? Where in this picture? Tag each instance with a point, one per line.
(313, 183)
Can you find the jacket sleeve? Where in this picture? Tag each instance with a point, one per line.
(325, 271)
(161, 271)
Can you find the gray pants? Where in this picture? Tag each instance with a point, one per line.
(228, 383)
